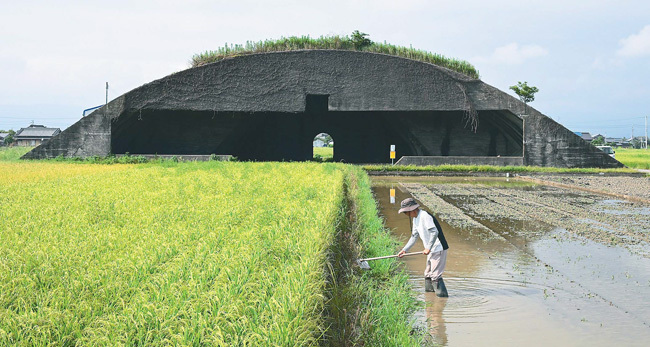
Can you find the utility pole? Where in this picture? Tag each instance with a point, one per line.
(106, 96)
(646, 131)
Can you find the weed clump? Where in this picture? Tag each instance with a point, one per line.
(356, 42)
(489, 168)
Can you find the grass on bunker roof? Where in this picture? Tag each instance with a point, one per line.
(294, 43)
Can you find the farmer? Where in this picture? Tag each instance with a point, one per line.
(427, 228)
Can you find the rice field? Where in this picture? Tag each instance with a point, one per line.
(213, 253)
(634, 158)
(324, 153)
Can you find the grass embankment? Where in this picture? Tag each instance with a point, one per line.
(383, 293)
(13, 153)
(634, 158)
(210, 253)
(332, 42)
(489, 168)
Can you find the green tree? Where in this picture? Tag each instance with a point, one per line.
(526, 93)
(360, 40)
(598, 141)
(10, 138)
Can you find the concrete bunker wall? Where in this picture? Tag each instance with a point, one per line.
(360, 137)
(373, 100)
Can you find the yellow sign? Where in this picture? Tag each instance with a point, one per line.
(392, 154)
(392, 192)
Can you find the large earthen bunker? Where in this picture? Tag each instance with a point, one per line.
(269, 106)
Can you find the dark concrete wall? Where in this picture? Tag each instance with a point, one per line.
(267, 94)
(547, 143)
(88, 137)
(359, 137)
(279, 82)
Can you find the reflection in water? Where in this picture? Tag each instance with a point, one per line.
(434, 308)
(515, 290)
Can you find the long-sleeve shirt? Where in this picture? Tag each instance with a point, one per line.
(424, 228)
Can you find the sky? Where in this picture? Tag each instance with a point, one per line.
(590, 59)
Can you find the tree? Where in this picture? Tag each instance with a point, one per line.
(360, 40)
(10, 138)
(598, 141)
(526, 93)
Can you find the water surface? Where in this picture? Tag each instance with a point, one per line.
(521, 281)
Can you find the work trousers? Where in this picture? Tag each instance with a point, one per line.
(436, 262)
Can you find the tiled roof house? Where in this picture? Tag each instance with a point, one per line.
(34, 135)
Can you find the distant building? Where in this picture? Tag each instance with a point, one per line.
(34, 135)
(585, 135)
(617, 142)
(3, 137)
(319, 143)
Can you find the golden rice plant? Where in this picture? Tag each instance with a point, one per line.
(174, 254)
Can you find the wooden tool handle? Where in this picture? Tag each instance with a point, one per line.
(392, 256)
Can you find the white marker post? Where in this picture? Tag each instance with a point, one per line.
(392, 154)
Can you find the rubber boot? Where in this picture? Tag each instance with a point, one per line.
(441, 290)
(428, 285)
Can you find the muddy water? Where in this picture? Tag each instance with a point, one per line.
(517, 276)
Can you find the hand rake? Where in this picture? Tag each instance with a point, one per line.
(363, 263)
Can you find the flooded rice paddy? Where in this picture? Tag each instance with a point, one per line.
(530, 264)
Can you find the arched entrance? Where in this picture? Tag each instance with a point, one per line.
(323, 148)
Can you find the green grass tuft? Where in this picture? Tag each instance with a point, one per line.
(13, 153)
(490, 168)
(294, 43)
(386, 297)
(325, 153)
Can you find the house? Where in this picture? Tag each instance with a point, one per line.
(585, 135)
(617, 142)
(3, 137)
(319, 143)
(34, 135)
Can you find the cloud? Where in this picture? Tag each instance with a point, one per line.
(636, 45)
(513, 54)
(598, 64)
